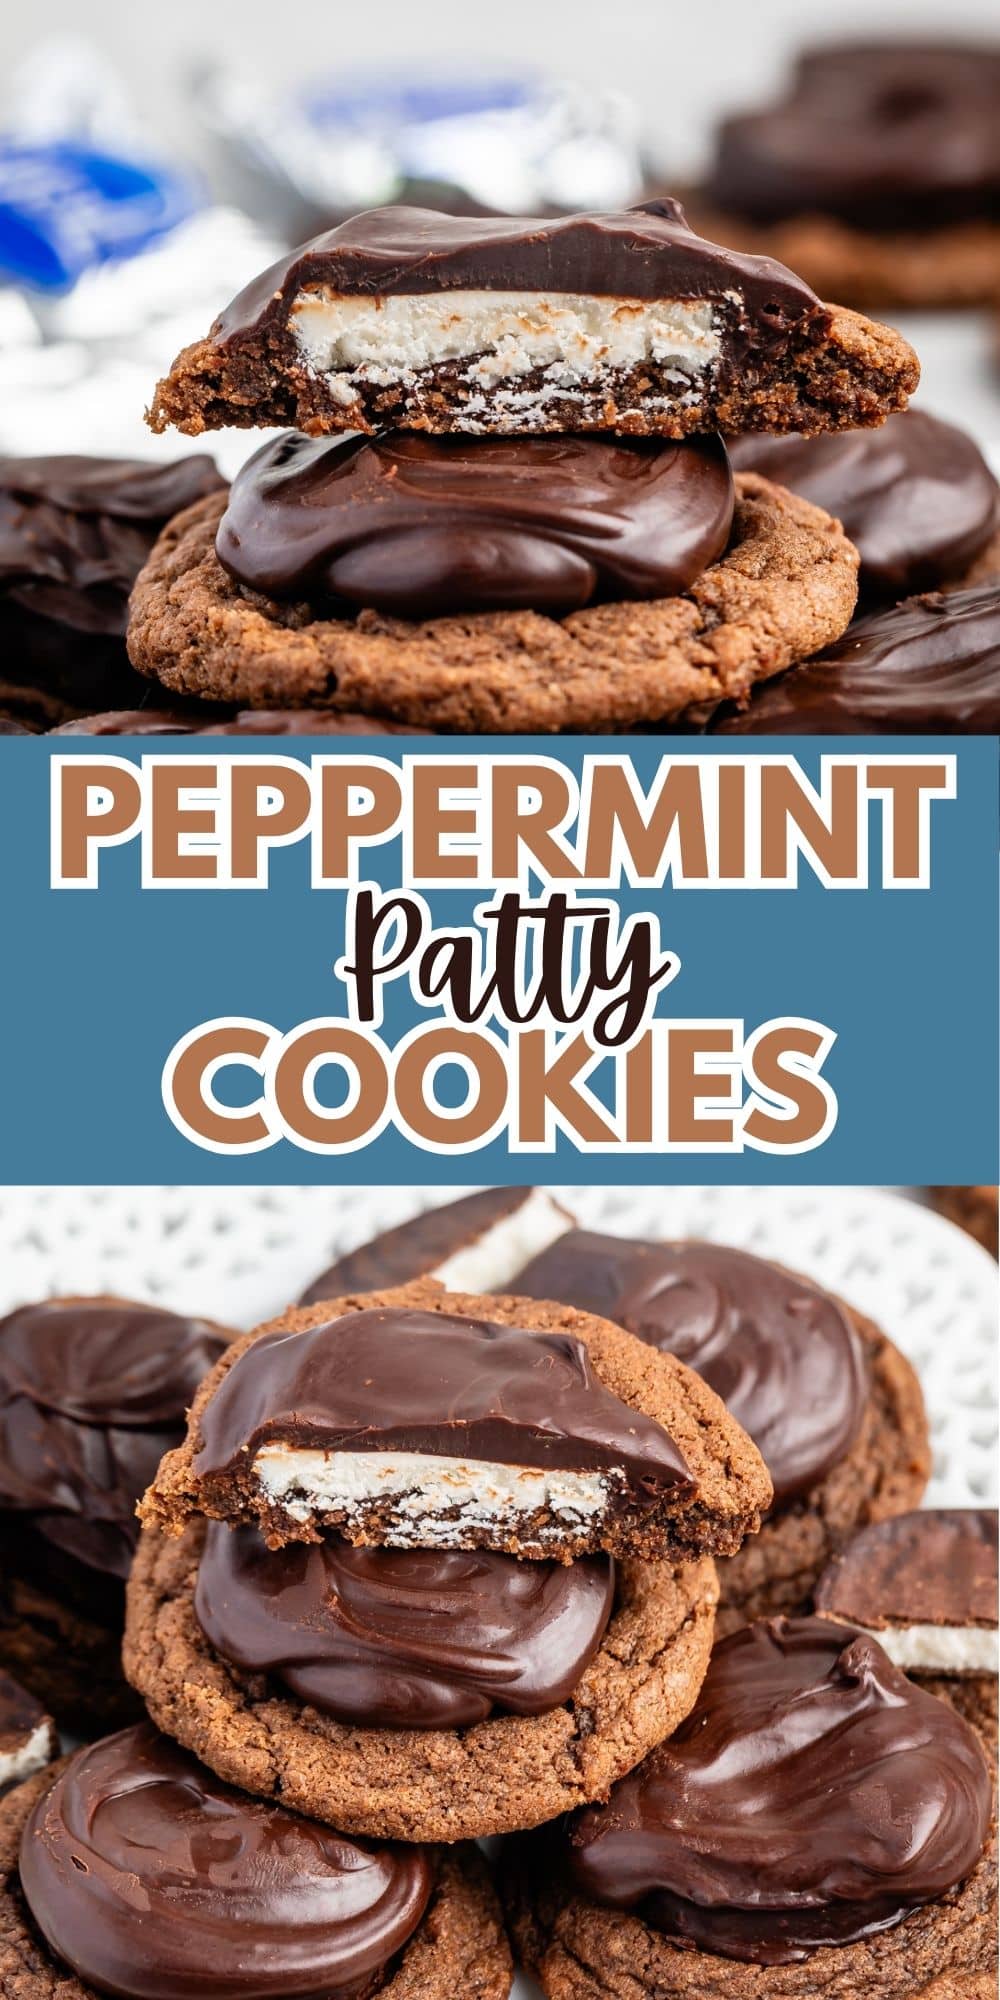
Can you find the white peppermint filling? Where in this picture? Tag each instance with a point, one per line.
(488, 1264)
(31, 1755)
(941, 1649)
(430, 1497)
(575, 338)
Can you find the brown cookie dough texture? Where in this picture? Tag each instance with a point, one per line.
(732, 1486)
(884, 1473)
(579, 1951)
(906, 269)
(975, 1209)
(497, 1776)
(786, 586)
(459, 1948)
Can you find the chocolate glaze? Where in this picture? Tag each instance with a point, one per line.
(882, 136)
(20, 1715)
(647, 252)
(153, 1880)
(397, 1380)
(415, 1248)
(929, 666)
(916, 498)
(74, 534)
(813, 1797)
(937, 1566)
(245, 722)
(424, 527)
(92, 1393)
(422, 1639)
(782, 1354)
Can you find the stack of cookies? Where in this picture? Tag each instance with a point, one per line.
(506, 504)
(432, 1564)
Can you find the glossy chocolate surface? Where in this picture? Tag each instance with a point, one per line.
(426, 527)
(916, 498)
(415, 1247)
(416, 1639)
(781, 1353)
(813, 1797)
(92, 1393)
(397, 1380)
(936, 1566)
(153, 1880)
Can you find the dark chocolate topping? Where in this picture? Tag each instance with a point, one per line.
(425, 527)
(930, 666)
(813, 1797)
(415, 1248)
(648, 252)
(245, 722)
(92, 1393)
(933, 1567)
(154, 1880)
(781, 1353)
(415, 1639)
(75, 532)
(916, 498)
(20, 1713)
(397, 1380)
(881, 136)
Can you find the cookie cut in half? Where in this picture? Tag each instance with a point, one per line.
(129, 1870)
(429, 1419)
(405, 318)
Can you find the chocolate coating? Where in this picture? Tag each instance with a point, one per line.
(882, 136)
(74, 534)
(416, 1247)
(929, 666)
(781, 1353)
(916, 498)
(424, 1639)
(647, 252)
(245, 722)
(424, 527)
(398, 1380)
(936, 1566)
(813, 1797)
(92, 1393)
(155, 1881)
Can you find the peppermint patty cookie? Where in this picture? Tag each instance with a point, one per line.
(422, 1418)
(916, 498)
(877, 175)
(28, 1738)
(474, 1244)
(819, 1824)
(416, 1694)
(927, 666)
(629, 322)
(484, 584)
(833, 1407)
(92, 1392)
(925, 1586)
(129, 1871)
(74, 534)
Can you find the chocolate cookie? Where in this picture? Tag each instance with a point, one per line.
(925, 1585)
(973, 1208)
(835, 1410)
(786, 585)
(404, 318)
(928, 666)
(424, 1418)
(506, 1771)
(127, 1869)
(818, 1824)
(916, 498)
(74, 534)
(474, 1244)
(92, 1392)
(28, 1739)
(878, 175)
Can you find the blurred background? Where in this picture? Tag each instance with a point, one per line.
(153, 159)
